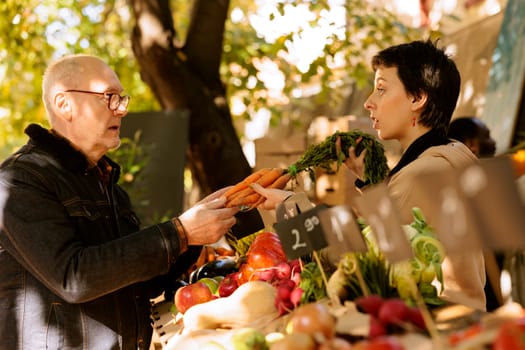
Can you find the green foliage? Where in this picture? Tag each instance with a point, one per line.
(312, 283)
(33, 32)
(340, 65)
(133, 157)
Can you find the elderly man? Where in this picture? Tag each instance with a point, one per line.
(76, 271)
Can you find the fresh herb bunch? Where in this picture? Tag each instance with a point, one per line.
(324, 154)
(312, 283)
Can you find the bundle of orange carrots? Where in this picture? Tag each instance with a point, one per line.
(243, 196)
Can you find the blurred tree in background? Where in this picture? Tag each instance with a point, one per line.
(221, 60)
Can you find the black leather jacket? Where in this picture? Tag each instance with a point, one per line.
(76, 272)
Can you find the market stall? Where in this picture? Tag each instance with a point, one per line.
(348, 277)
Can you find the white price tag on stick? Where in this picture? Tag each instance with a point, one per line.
(447, 210)
(475, 207)
(342, 231)
(492, 191)
(381, 213)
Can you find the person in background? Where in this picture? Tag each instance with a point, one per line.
(76, 269)
(475, 134)
(416, 88)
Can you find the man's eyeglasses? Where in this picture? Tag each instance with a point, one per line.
(115, 101)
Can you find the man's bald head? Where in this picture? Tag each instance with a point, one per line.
(69, 72)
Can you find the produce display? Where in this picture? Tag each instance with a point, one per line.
(261, 300)
(254, 297)
(394, 280)
(264, 301)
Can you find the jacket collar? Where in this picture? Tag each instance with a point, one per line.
(421, 144)
(62, 150)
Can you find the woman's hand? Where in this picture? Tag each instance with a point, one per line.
(273, 196)
(354, 163)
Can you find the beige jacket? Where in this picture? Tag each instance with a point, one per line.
(464, 276)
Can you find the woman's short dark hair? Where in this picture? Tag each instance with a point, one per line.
(422, 67)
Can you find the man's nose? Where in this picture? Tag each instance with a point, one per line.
(121, 112)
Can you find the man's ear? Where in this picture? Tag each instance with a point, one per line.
(62, 106)
(419, 101)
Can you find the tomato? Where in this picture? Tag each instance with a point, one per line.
(511, 335)
(518, 161)
(459, 336)
(265, 251)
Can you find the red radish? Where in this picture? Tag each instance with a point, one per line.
(283, 306)
(266, 274)
(296, 295)
(295, 265)
(416, 318)
(283, 292)
(287, 283)
(296, 277)
(369, 304)
(393, 311)
(283, 270)
(377, 328)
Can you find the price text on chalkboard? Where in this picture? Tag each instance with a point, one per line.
(302, 234)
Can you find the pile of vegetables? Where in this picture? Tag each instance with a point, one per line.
(429, 253)
(251, 304)
(260, 285)
(390, 315)
(393, 280)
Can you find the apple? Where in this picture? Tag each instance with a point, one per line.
(229, 284)
(192, 294)
(212, 283)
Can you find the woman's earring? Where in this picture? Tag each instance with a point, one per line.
(414, 121)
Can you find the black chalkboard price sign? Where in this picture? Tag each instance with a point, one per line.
(302, 234)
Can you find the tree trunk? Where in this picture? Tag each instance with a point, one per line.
(187, 77)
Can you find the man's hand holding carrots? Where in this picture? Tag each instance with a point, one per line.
(208, 220)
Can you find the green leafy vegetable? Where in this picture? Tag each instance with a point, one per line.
(324, 154)
(312, 283)
(394, 280)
